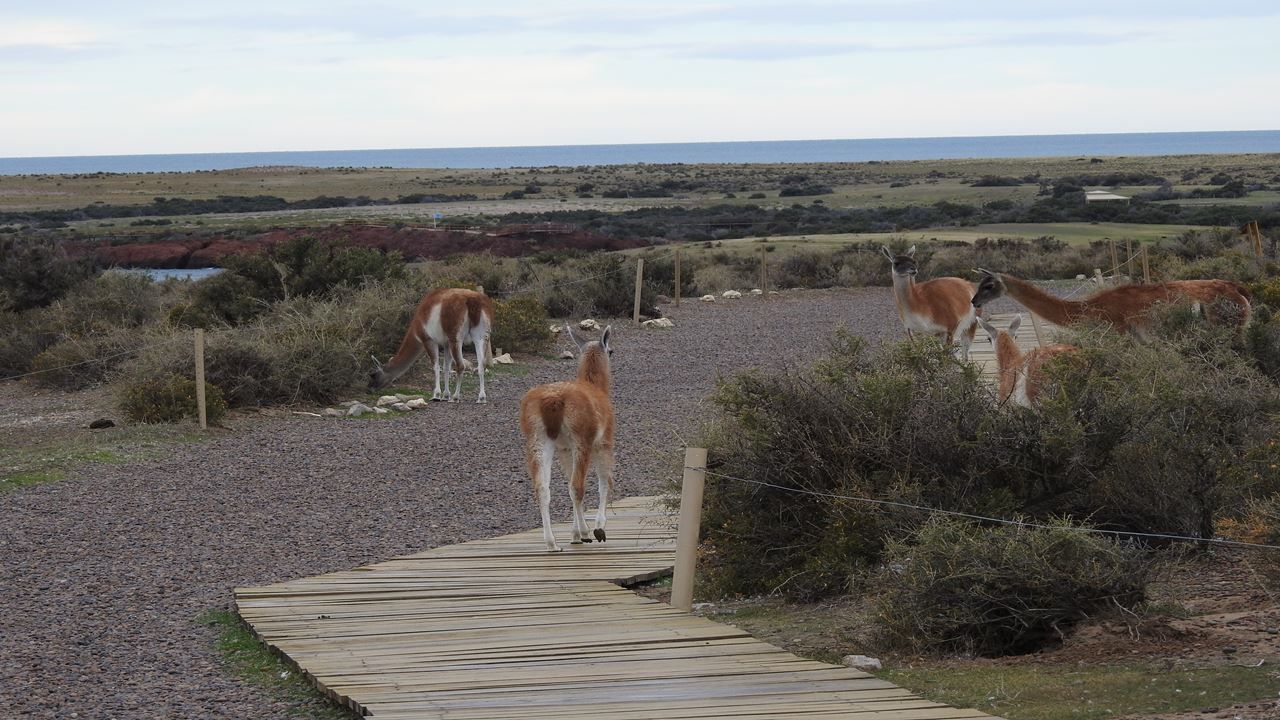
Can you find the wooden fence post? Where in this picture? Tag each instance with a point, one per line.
(200, 406)
(1146, 269)
(677, 277)
(639, 280)
(695, 463)
(764, 276)
(1115, 261)
(1128, 262)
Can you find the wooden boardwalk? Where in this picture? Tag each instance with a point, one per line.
(501, 629)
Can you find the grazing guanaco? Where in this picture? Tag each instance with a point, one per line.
(1127, 307)
(939, 307)
(573, 423)
(1021, 374)
(445, 319)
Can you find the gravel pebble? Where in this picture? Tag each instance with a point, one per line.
(103, 575)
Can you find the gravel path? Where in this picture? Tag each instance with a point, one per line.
(103, 575)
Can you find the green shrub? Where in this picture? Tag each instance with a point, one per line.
(170, 399)
(36, 271)
(1162, 437)
(225, 298)
(306, 267)
(1262, 338)
(23, 336)
(1235, 266)
(954, 585)
(110, 301)
(600, 285)
(520, 324)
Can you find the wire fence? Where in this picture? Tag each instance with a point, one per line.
(986, 518)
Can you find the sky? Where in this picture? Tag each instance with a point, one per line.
(94, 77)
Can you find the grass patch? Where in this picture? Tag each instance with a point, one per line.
(249, 659)
(1038, 692)
(28, 461)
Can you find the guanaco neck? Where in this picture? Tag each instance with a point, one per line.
(1055, 310)
(1008, 360)
(411, 348)
(904, 290)
(594, 369)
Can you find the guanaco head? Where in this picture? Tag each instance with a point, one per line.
(377, 376)
(990, 287)
(903, 265)
(594, 366)
(994, 332)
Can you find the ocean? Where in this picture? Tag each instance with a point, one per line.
(772, 151)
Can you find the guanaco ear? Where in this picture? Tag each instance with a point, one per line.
(569, 330)
(604, 338)
(885, 249)
(1017, 323)
(376, 363)
(912, 251)
(989, 328)
(988, 273)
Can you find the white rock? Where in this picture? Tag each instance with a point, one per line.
(556, 329)
(757, 291)
(307, 414)
(862, 662)
(407, 398)
(331, 412)
(708, 298)
(731, 294)
(1079, 277)
(657, 323)
(566, 355)
(417, 403)
(358, 409)
(387, 400)
(401, 407)
(381, 410)
(348, 403)
(589, 324)
(504, 359)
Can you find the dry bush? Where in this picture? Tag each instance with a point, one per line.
(954, 585)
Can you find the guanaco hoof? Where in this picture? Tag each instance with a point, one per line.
(599, 533)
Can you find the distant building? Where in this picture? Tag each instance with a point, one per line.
(1103, 196)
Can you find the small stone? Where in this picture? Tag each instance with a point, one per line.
(708, 298)
(402, 407)
(589, 324)
(657, 323)
(406, 398)
(504, 359)
(101, 423)
(381, 410)
(331, 412)
(417, 403)
(862, 662)
(731, 294)
(1079, 277)
(348, 403)
(1273, 631)
(757, 291)
(387, 400)
(556, 329)
(566, 355)
(306, 414)
(1229, 650)
(358, 409)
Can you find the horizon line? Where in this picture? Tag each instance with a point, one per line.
(642, 144)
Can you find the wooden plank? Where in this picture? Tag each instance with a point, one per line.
(501, 629)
